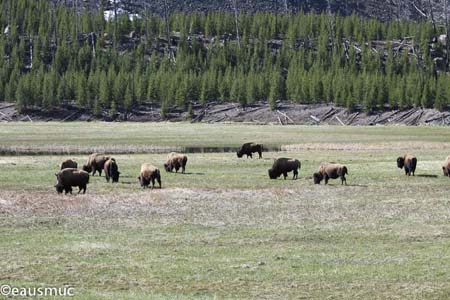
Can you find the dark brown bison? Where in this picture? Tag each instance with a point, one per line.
(330, 170)
(175, 161)
(96, 163)
(67, 178)
(149, 173)
(283, 166)
(408, 162)
(446, 167)
(69, 164)
(111, 170)
(248, 149)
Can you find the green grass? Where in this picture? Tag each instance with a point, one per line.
(205, 135)
(224, 230)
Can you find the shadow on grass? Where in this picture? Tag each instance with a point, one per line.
(190, 173)
(358, 185)
(427, 175)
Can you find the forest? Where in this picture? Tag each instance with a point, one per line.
(52, 55)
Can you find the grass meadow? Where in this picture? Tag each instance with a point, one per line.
(224, 230)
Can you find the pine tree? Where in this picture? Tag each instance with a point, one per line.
(112, 111)
(275, 89)
(21, 96)
(81, 91)
(128, 98)
(48, 93)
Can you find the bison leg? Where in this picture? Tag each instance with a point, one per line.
(285, 175)
(260, 154)
(295, 174)
(343, 179)
(183, 169)
(67, 189)
(326, 178)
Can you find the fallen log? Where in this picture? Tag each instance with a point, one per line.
(315, 118)
(286, 116)
(339, 120)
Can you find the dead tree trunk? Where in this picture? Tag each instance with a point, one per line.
(447, 46)
(432, 16)
(169, 44)
(237, 23)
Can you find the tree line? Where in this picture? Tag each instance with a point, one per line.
(51, 55)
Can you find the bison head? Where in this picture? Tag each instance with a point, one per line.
(115, 177)
(168, 167)
(272, 174)
(87, 168)
(446, 173)
(317, 178)
(239, 154)
(400, 162)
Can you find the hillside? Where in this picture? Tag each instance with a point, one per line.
(54, 57)
(380, 9)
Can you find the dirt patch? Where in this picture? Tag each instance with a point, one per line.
(274, 206)
(406, 146)
(258, 113)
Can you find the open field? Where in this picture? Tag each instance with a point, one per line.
(224, 230)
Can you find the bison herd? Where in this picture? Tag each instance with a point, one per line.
(70, 176)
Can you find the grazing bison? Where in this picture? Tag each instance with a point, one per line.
(175, 161)
(149, 173)
(330, 170)
(446, 167)
(283, 166)
(111, 170)
(69, 164)
(67, 178)
(248, 149)
(408, 162)
(96, 163)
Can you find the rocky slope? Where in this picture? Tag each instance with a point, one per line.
(381, 9)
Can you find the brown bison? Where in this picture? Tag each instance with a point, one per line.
(67, 178)
(408, 162)
(69, 164)
(283, 166)
(96, 163)
(330, 170)
(149, 173)
(111, 170)
(175, 161)
(446, 167)
(249, 148)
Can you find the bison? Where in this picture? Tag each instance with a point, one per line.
(446, 167)
(96, 163)
(149, 173)
(331, 170)
(175, 161)
(283, 166)
(249, 148)
(408, 162)
(69, 164)
(67, 178)
(111, 170)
